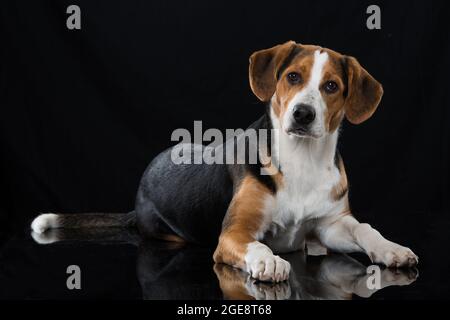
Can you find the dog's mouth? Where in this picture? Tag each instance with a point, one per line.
(300, 133)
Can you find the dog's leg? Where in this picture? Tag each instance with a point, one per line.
(238, 243)
(346, 234)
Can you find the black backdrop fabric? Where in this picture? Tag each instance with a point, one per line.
(84, 111)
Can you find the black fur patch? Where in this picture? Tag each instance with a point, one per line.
(255, 169)
(337, 158)
(344, 75)
(294, 52)
(97, 220)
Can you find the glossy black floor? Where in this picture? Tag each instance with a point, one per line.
(116, 264)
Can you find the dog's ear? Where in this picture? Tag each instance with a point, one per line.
(363, 92)
(264, 66)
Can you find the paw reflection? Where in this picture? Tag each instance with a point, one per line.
(399, 277)
(334, 276)
(237, 284)
(269, 291)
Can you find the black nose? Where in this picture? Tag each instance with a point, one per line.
(304, 114)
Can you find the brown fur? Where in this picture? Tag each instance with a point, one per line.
(275, 173)
(364, 93)
(341, 188)
(263, 67)
(333, 71)
(243, 221)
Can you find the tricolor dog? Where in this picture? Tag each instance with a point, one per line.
(252, 217)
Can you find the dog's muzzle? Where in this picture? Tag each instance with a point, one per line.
(303, 116)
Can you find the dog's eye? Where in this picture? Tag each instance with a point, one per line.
(294, 77)
(330, 87)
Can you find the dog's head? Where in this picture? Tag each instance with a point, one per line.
(312, 88)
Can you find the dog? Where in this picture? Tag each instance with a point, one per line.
(251, 217)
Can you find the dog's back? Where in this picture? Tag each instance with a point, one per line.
(185, 200)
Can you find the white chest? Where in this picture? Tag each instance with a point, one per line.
(306, 194)
(309, 176)
(294, 209)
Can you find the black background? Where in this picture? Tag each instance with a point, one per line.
(84, 111)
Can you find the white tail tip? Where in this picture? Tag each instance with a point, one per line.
(44, 222)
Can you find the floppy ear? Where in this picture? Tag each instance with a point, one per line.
(363, 92)
(264, 65)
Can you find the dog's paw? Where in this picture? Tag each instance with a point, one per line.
(263, 265)
(268, 291)
(270, 268)
(393, 255)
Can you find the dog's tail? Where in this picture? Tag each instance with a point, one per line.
(47, 221)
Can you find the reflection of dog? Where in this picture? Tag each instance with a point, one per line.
(171, 270)
(335, 277)
(309, 90)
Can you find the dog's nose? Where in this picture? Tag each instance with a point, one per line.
(304, 114)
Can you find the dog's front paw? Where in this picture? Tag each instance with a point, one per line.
(394, 256)
(269, 268)
(263, 265)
